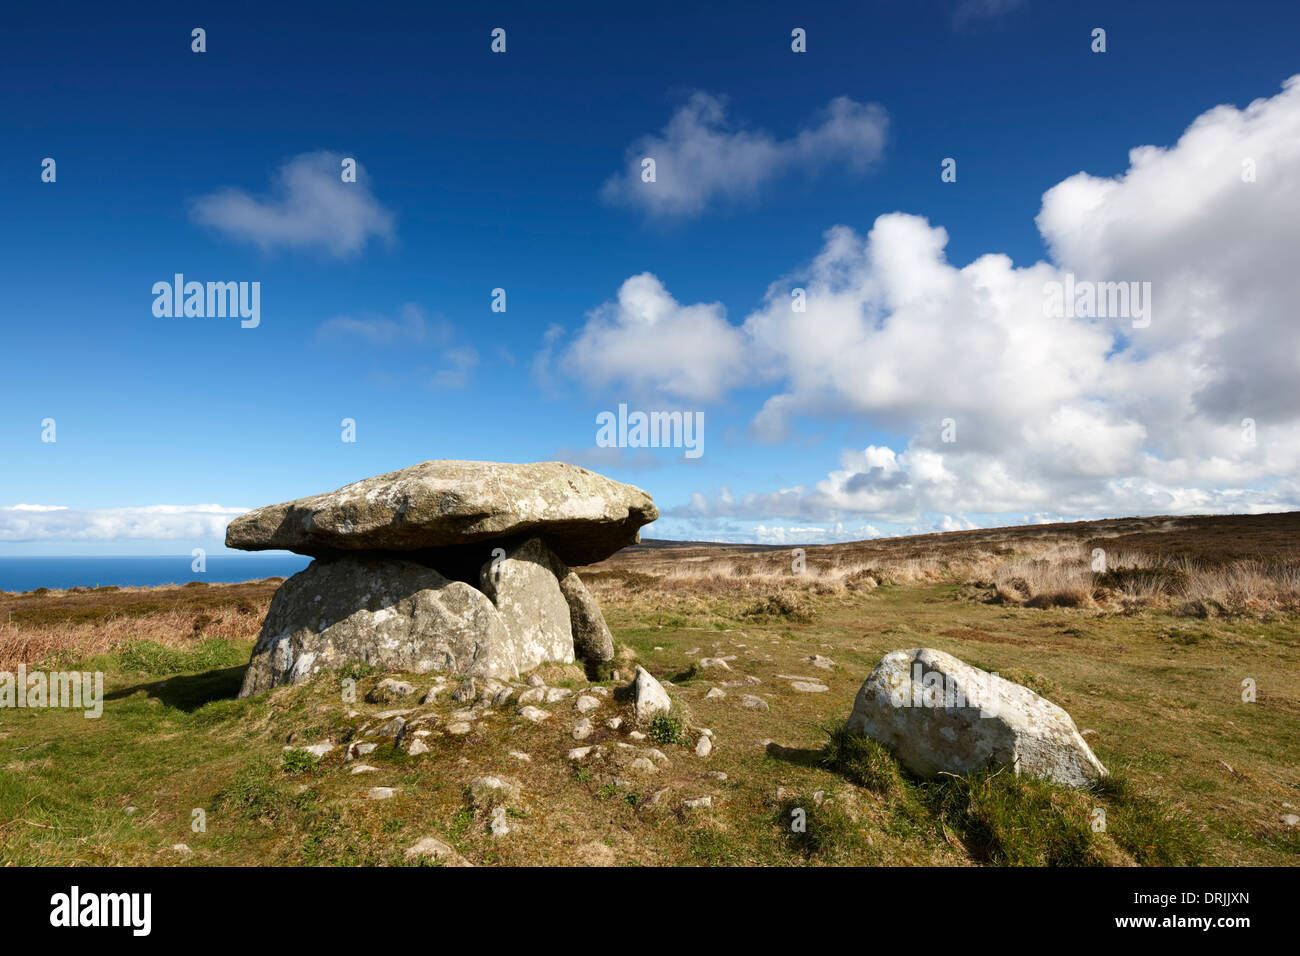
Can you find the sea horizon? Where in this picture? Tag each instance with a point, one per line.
(19, 573)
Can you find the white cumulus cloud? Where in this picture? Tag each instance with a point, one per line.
(700, 156)
(150, 522)
(309, 207)
(1009, 408)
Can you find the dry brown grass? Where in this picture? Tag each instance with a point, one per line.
(88, 622)
(1194, 566)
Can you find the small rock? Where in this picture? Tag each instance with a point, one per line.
(381, 793)
(1290, 819)
(716, 775)
(316, 750)
(585, 704)
(533, 695)
(466, 692)
(364, 768)
(181, 848)
(581, 753)
(699, 803)
(520, 755)
(754, 703)
(417, 747)
(808, 687)
(648, 696)
(703, 747)
(582, 729)
(534, 714)
(556, 693)
(825, 663)
(636, 735)
(717, 662)
(433, 849)
(393, 728)
(389, 689)
(535, 681)
(643, 764)
(715, 692)
(488, 792)
(360, 750)
(614, 723)
(460, 728)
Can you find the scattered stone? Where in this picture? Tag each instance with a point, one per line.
(363, 768)
(581, 753)
(582, 729)
(716, 775)
(520, 755)
(658, 756)
(534, 695)
(585, 704)
(643, 764)
(1290, 819)
(535, 681)
(316, 750)
(636, 735)
(534, 714)
(488, 792)
(466, 692)
(393, 728)
(599, 691)
(648, 696)
(614, 723)
(181, 848)
(554, 694)
(502, 697)
(754, 703)
(360, 750)
(718, 662)
(808, 687)
(825, 663)
(459, 728)
(434, 849)
(715, 692)
(975, 720)
(381, 793)
(388, 690)
(417, 747)
(699, 803)
(703, 746)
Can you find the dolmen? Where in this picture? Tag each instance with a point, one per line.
(457, 567)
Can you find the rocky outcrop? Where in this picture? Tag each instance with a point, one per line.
(939, 714)
(417, 573)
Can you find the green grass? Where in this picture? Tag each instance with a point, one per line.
(1168, 717)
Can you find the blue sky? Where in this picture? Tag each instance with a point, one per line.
(519, 170)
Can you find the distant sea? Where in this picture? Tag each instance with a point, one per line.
(27, 574)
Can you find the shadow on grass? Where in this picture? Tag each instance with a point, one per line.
(795, 755)
(191, 691)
